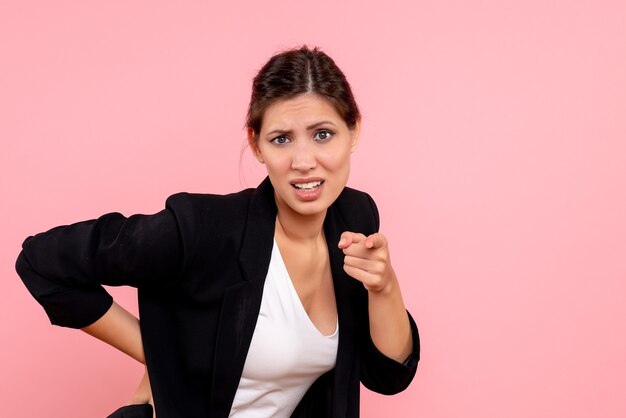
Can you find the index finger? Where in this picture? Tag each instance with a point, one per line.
(348, 237)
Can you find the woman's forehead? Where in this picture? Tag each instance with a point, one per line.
(299, 112)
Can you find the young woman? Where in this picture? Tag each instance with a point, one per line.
(270, 302)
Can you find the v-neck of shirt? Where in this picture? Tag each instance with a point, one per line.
(294, 293)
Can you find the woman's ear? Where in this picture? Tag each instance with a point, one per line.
(355, 135)
(253, 141)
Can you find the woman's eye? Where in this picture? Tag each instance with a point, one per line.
(323, 135)
(280, 140)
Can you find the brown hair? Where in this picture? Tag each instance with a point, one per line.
(298, 71)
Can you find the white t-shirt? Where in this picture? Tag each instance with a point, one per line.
(287, 353)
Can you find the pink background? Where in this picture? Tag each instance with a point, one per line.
(494, 142)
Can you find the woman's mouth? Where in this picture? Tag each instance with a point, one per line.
(308, 190)
(308, 187)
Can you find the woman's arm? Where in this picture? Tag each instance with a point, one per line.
(389, 322)
(120, 329)
(64, 269)
(367, 260)
(389, 349)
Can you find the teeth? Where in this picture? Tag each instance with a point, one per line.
(307, 186)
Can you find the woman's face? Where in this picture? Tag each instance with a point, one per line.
(306, 147)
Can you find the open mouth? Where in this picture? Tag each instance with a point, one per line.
(308, 187)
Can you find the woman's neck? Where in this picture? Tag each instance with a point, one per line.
(297, 227)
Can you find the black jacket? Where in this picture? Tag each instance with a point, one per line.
(199, 266)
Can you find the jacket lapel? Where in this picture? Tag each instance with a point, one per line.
(242, 301)
(334, 226)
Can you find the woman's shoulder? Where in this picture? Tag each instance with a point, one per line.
(187, 201)
(358, 209)
(349, 193)
(205, 213)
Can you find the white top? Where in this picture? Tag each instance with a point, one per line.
(287, 353)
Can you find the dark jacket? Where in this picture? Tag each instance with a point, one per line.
(199, 266)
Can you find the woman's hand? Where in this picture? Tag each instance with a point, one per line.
(367, 260)
(143, 393)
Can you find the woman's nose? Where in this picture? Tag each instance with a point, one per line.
(303, 158)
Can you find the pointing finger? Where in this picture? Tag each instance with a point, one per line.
(347, 238)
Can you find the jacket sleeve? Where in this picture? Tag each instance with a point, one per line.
(379, 372)
(383, 374)
(65, 267)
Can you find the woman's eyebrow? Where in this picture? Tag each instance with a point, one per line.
(308, 128)
(317, 124)
(279, 132)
